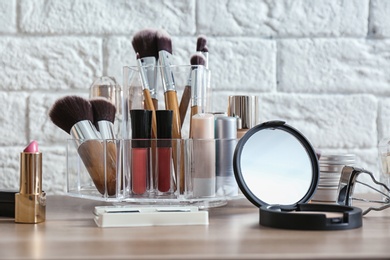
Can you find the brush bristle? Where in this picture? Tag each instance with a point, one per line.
(205, 49)
(164, 41)
(145, 43)
(102, 109)
(201, 43)
(198, 59)
(69, 110)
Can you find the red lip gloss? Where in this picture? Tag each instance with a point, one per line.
(164, 150)
(141, 126)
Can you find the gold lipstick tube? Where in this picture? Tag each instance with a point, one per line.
(30, 202)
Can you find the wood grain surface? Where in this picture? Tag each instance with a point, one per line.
(69, 232)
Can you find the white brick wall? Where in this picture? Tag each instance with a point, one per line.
(323, 66)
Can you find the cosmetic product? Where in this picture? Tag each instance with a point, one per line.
(113, 216)
(331, 166)
(7, 203)
(104, 117)
(74, 115)
(164, 46)
(107, 87)
(141, 124)
(196, 61)
(145, 45)
(201, 46)
(225, 141)
(198, 91)
(245, 109)
(164, 150)
(203, 155)
(277, 170)
(30, 202)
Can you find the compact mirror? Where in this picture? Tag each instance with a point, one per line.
(276, 165)
(277, 170)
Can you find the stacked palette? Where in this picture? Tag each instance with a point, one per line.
(330, 171)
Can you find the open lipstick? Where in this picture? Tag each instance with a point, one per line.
(30, 202)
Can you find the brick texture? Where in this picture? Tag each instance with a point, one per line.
(322, 66)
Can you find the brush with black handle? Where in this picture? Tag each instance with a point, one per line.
(145, 45)
(196, 61)
(74, 115)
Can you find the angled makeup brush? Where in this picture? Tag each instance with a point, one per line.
(196, 60)
(74, 115)
(145, 45)
(164, 46)
(201, 46)
(104, 117)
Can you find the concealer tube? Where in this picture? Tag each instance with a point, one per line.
(30, 202)
(203, 155)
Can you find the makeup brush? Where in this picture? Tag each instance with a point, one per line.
(74, 115)
(145, 45)
(164, 46)
(196, 60)
(198, 85)
(104, 116)
(201, 46)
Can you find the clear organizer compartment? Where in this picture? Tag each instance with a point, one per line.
(192, 174)
(161, 172)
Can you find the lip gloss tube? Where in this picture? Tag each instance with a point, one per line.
(30, 202)
(141, 125)
(164, 150)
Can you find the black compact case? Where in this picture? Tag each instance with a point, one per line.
(7, 203)
(277, 170)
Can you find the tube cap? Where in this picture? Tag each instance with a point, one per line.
(245, 108)
(141, 126)
(164, 127)
(225, 127)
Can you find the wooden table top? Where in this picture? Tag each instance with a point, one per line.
(69, 232)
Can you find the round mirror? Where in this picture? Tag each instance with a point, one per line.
(275, 165)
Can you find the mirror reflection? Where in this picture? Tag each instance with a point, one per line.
(276, 167)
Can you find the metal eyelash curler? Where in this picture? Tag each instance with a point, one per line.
(348, 180)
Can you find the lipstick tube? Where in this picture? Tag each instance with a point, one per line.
(30, 202)
(141, 124)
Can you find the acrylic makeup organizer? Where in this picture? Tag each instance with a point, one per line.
(183, 184)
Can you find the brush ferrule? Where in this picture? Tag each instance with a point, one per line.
(106, 129)
(148, 72)
(166, 72)
(206, 56)
(84, 130)
(198, 87)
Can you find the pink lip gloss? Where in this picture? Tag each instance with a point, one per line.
(164, 150)
(141, 125)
